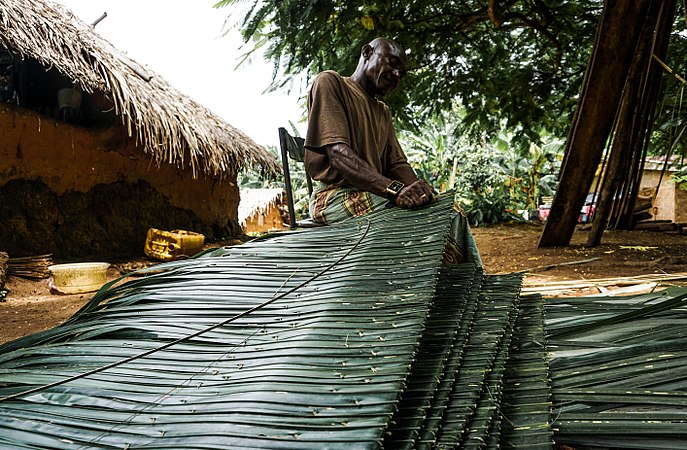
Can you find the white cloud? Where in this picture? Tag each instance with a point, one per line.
(181, 40)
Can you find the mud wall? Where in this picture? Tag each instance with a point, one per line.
(108, 222)
(64, 162)
(265, 221)
(681, 203)
(664, 204)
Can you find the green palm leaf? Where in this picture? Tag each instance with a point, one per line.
(320, 368)
(617, 368)
(348, 336)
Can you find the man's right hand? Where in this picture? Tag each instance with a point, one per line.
(416, 194)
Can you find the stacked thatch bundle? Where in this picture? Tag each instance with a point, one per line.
(171, 127)
(4, 258)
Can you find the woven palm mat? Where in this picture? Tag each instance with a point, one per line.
(369, 343)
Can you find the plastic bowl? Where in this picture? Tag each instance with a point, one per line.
(77, 278)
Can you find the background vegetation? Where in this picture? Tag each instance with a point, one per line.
(491, 86)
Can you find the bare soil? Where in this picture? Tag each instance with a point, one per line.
(31, 306)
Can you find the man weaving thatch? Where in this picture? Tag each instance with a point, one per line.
(351, 146)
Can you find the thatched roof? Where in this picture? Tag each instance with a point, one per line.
(257, 201)
(170, 126)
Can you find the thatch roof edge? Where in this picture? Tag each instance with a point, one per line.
(257, 201)
(170, 126)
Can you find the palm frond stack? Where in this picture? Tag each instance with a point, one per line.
(349, 336)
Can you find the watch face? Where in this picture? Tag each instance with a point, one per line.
(395, 186)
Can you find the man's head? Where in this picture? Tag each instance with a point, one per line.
(381, 67)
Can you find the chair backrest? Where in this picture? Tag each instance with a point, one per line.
(295, 145)
(292, 147)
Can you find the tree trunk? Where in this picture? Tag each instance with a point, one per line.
(616, 41)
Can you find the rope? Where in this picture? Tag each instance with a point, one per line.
(190, 336)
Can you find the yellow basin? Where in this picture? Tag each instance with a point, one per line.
(76, 278)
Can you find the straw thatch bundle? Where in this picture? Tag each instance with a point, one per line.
(31, 267)
(171, 127)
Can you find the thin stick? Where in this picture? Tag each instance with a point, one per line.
(551, 266)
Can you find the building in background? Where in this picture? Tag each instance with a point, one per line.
(95, 149)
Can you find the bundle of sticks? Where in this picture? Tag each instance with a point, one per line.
(32, 267)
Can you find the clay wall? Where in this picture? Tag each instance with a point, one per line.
(71, 158)
(265, 221)
(78, 192)
(664, 204)
(681, 203)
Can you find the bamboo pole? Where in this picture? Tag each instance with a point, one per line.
(625, 123)
(650, 95)
(553, 287)
(617, 36)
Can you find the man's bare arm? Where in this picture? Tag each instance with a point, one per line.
(362, 176)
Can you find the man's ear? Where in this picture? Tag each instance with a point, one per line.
(367, 51)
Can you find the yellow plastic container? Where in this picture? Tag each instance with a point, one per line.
(168, 245)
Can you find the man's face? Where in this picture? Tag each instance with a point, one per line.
(386, 67)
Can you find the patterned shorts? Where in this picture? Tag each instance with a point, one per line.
(332, 204)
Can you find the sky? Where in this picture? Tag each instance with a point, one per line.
(182, 41)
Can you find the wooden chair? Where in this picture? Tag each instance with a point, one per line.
(292, 148)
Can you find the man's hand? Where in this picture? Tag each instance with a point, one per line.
(416, 194)
(362, 176)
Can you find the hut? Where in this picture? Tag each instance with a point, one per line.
(95, 149)
(669, 197)
(661, 197)
(260, 210)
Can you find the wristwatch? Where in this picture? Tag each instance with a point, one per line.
(393, 189)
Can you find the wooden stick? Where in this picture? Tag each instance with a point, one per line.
(560, 286)
(34, 267)
(551, 266)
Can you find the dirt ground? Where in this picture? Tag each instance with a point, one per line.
(31, 306)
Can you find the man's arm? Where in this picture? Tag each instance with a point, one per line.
(362, 176)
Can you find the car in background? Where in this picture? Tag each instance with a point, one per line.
(586, 213)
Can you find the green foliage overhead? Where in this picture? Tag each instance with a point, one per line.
(519, 60)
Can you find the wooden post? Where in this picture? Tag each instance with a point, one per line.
(616, 41)
(623, 133)
(647, 109)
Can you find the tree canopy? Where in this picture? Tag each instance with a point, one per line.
(478, 70)
(518, 61)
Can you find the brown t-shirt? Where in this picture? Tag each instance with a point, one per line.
(340, 111)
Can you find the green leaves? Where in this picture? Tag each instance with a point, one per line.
(520, 62)
(322, 367)
(493, 176)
